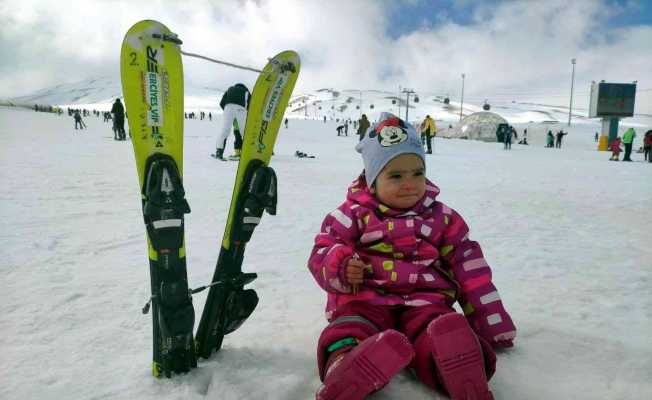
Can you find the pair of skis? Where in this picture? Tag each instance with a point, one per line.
(152, 82)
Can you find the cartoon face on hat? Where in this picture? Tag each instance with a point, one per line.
(391, 135)
(390, 132)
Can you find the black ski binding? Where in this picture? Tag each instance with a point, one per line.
(164, 205)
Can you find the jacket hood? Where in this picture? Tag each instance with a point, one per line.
(359, 193)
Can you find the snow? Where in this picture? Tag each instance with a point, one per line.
(566, 232)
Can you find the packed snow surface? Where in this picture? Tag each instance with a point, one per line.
(567, 233)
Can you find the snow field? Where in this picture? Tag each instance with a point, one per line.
(565, 231)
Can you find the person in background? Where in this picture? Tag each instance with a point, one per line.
(628, 141)
(78, 120)
(508, 138)
(647, 146)
(615, 149)
(550, 139)
(560, 136)
(118, 112)
(235, 103)
(388, 309)
(596, 137)
(428, 131)
(363, 125)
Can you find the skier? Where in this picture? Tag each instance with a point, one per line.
(363, 125)
(647, 146)
(508, 138)
(615, 149)
(596, 137)
(428, 131)
(78, 120)
(393, 260)
(550, 139)
(286, 123)
(118, 112)
(560, 136)
(628, 141)
(235, 103)
(339, 130)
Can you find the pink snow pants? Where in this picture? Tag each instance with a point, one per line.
(361, 320)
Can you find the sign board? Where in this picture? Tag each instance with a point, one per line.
(612, 99)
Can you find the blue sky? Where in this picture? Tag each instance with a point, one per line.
(409, 15)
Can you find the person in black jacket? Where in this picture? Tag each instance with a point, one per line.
(118, 112)
(235, 103)
(78, 120)
(559, 136)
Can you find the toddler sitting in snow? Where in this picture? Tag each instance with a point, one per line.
(394, 260)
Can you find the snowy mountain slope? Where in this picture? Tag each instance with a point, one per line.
(99, 93)
(566, 233)
(335, 104)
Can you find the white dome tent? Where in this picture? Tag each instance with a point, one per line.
(478, 126)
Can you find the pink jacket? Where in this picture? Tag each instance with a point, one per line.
(414, 257)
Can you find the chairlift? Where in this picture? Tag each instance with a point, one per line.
(357, 107)
(447, 100)
(393, 101)
(371, 106)
(486, 106)
(416, 99)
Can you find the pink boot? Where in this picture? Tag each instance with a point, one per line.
(367, 368)
(458, 357)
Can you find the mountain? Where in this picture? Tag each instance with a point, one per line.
(99, 93)
(336, 104)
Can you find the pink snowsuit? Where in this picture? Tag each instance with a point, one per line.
(419, 262)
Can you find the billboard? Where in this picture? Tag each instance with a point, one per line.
(612, 99)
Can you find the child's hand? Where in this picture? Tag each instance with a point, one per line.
(354, 272)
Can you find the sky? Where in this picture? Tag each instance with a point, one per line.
(507, 50)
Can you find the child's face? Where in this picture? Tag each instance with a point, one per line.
(402, 182)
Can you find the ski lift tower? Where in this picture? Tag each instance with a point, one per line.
(611, 101)
(409, 92)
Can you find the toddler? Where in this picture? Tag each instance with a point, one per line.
(393, 261)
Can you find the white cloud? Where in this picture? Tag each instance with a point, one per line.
(510, 49)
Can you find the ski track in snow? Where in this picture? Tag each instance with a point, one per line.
(565, 231)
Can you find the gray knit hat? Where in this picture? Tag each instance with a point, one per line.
(386, 139)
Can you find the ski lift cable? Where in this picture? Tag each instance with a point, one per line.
(220, 62)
